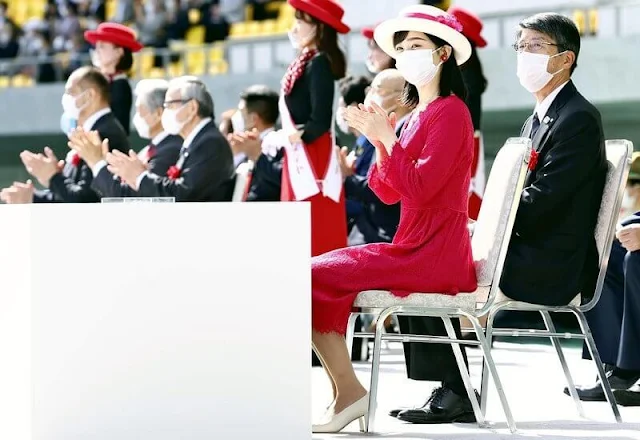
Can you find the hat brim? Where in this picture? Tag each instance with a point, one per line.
(321, 15)
(479, 41)
(94, 36)
(385, 31)
(367, 33)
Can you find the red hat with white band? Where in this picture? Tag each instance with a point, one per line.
(427, 19)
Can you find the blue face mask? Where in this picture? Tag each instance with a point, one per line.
(67, 123)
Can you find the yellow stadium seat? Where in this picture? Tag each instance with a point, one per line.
(269, 27)
(274, 7)
(248, 12)
(22, 81)
(580, 20)
(21, 12)
(593, 21)
(156, 72)
(238, 30)
(110, 9)
(4, 81)
(282, 26)
(253, 28)
(196, 60)
(195, 35)
(216, 53)
(286, 10)
(218, 68)
(176, 69)
(194, 16)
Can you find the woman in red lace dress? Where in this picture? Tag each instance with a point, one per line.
(428, 170)
(311, 171)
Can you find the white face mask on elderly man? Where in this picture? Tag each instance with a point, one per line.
(417, 67)
(143, 129)
(170, 121)
(70, 107)
(532, 70)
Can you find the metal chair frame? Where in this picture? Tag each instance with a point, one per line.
(446, 314)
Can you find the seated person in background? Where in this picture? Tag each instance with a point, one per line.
(353, 91)
(204, 171)
(86, 99)
(159, 155)
(376, 221)
(254, 120)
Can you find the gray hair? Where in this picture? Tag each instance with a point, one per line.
(191, 87)
(152, 92)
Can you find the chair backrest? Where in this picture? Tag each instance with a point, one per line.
(242, 176)
(492, 232)
(618, 163)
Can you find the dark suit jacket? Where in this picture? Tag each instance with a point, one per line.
(266, 178)
(167, 152)
(378, 221)
(208, 174)
(552, 255)
(73, 184)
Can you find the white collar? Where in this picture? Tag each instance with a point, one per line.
(543, 107)
(91, 120)
(266, 132)
(159, 138)
(194, 132)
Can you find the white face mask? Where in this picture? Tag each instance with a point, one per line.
(170, 121)
(340, 122)
(67, 123)
(532, 70)
(70, 107)
(416, 66)
(299, 42)
(143, 129)
(238, 122)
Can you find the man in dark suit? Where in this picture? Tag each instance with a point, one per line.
(204, 170)
(159, 155)
(552, 256)
(255, 144)
(86, 100)
(615, 319)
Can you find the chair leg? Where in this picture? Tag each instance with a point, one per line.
(375, 372)
(548, 322)
(457, 351)
(351, 324)
(593, 350)
(484, 387)
(491, 366)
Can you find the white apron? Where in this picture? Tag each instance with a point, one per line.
(304, 181)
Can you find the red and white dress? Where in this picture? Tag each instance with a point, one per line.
(429, 172)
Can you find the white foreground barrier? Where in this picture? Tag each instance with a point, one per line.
(155, 321)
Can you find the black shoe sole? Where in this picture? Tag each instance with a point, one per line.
(462, 418)
(395, 413)
(623, 398)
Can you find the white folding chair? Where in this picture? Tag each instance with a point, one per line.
(619, 160)
(242, 176)
(489, 243)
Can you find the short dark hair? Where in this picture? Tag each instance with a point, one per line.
(263, 101)
(561, 29)
(90, 77)
(353, 89)
(451, 81)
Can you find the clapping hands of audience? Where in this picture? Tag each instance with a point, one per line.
(42, 166)
(247, 142)
(88, 145)
(629, 237)
(18, 193)
(126, 166)
(374, 123)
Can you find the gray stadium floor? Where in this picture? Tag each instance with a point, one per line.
(533, 380)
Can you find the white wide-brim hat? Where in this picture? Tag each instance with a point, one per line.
(427, 19)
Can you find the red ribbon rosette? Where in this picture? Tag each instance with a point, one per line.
(533, 160)
(173, 172)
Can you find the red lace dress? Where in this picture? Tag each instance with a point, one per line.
(428, 171)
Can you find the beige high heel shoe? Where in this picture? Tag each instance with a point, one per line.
(357, 410)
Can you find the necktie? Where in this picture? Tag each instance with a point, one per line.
(535, 125)
(151, 151)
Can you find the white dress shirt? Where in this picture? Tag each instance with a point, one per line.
(185, 146)
(543, 107)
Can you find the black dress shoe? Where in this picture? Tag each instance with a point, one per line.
(630, 397)
(595, 393)
(394, 412)
(444, 406)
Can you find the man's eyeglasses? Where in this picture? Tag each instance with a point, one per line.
(531, 46)
(168, 104)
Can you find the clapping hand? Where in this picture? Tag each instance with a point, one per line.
(346, 162)
(88, 145)
(374, 123)
(247, 142)
(127, 167)
(42, 166)
(629, 237)
(18, 193)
